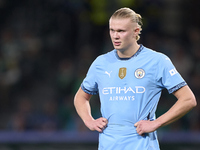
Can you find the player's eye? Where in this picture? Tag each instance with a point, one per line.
(121, 31)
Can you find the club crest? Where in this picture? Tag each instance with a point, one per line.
(122, 73)
(139, 73)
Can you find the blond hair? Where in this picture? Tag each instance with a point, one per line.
(129, 13)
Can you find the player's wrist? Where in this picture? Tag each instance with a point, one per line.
(88, 121)
(158, 123)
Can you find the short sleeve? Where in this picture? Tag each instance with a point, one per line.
(89, 84)
(167, 75)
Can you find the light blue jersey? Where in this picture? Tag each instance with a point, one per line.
(129, 91)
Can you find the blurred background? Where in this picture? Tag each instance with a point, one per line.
(46, 48)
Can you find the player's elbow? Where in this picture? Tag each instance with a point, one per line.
(192, 101)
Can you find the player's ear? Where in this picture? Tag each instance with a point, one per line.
(137, 30)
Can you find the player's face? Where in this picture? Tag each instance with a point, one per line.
(123, 33)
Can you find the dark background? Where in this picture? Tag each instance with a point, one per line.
(46, 48)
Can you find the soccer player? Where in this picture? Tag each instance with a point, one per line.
(129, 81)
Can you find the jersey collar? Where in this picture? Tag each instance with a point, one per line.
(135, 55)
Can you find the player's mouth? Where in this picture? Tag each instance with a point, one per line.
(117, 43)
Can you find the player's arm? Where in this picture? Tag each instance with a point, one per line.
(186, 101)
(82, 105)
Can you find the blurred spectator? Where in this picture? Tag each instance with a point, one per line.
(49, 120)
(19, 119)
(65, 76)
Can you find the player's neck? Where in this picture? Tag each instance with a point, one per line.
(127, 53)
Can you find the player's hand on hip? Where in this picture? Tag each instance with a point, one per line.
(145, 126)
(99, 124)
